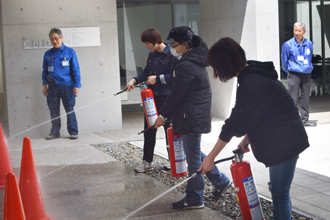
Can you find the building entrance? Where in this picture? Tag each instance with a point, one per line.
(136, 16)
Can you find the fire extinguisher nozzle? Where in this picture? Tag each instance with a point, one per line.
(195, 174)
(120, 92)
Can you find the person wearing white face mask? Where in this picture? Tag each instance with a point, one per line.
(189, 105)
(176, 54)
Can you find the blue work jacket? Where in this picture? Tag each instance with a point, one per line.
(159, 64)
(62, 65)
(297, 58)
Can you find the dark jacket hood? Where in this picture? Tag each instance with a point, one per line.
(196, 55)
(265, 69)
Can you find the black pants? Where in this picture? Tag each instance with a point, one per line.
(150, 136)
(302, 81)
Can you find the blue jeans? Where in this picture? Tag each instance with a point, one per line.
(281, 176)
(194, 158)
(54, 95)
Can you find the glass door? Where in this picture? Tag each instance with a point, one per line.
(135, 16)
(319, 34)
(315, 14)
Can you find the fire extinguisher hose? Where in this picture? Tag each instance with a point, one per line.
(148, 129)
(215, 162)
(136, 85)
(153, 126)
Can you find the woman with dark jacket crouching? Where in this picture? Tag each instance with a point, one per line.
(189, 105)
(265, 115)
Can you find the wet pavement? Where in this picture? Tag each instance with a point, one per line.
(80, 182)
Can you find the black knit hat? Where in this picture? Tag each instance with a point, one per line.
(180, 34)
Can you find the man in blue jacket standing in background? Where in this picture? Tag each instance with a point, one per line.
(61, 80)
(296, 60)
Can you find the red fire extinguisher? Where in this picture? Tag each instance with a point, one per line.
(149, 105)
(177, 154)
(246, 190)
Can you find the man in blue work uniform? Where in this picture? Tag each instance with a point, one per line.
(296, 60)
(61, 80)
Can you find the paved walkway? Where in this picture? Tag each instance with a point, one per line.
(79, 182)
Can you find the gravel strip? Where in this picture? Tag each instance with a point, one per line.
(227, 205)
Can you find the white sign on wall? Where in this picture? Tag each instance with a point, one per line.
(72, 37)
(81, 37)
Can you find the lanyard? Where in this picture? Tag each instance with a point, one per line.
(51, 61)
(301, 50)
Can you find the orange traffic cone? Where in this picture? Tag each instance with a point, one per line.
(13, 204)
(29, 186)
(5, 165)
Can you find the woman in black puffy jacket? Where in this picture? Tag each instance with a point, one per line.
(189, 105)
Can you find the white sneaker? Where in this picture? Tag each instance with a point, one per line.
(144, 167)
(167, 166)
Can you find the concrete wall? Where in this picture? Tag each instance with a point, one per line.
(253, 24)
(27, 112)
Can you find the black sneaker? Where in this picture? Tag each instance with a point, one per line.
(183, 205)
(217, 193)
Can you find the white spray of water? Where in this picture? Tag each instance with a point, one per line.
(38, 125)
(151, 201)
(79, 159)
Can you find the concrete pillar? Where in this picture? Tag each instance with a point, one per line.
(27, 113)
(254, 25)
